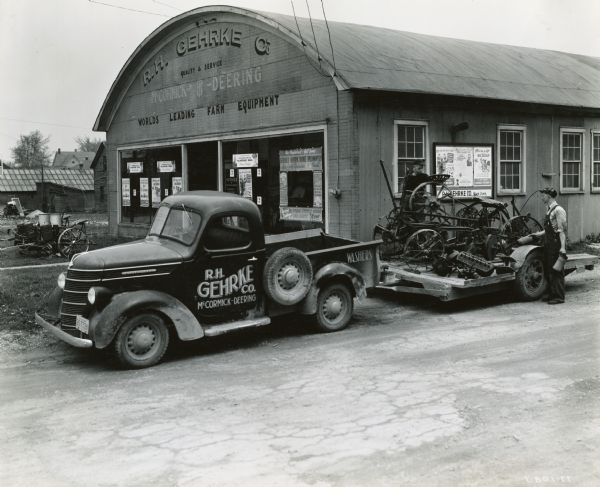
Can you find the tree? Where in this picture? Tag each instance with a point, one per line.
(87, 144)
(31, 150)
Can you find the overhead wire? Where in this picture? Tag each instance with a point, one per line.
(44, 123)
(318, 67)
(337, 99)
(313, 32)
(127, 8)
(167, 5)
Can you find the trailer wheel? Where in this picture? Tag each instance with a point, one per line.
(334, 307)
(141, 341)
(287, 276)
(531, 279)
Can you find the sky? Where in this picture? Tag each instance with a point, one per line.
(60, 57)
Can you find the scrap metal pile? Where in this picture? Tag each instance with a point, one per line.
(429, 229)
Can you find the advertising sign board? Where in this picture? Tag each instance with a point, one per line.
(470, 167)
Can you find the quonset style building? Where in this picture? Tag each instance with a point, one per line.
(255, 103)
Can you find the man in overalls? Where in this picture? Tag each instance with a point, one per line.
(555, 245)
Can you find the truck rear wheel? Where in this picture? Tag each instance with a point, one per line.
(141, 341)
(531, 279)
(287, 276)
(334, 307)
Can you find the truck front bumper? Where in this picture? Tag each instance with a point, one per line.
(63, 335)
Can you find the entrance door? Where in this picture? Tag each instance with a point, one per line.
(229, 270)
(203, 166)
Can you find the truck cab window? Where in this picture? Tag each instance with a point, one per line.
(180, 224)
(228, 232)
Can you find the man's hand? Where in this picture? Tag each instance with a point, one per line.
(525, 240)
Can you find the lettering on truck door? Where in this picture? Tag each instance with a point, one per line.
(228, 278)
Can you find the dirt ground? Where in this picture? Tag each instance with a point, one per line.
(482, 392)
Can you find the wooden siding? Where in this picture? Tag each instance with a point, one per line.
(375, 116)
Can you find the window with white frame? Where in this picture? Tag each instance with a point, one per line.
(571, 159)
(511, 157)
(596, 161)
(411, 145)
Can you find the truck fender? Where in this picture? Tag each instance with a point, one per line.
(521, 253)
(105, 324)
(328, 272)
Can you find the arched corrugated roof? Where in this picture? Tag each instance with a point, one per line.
(373, 58)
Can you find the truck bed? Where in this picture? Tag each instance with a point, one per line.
(323, 249)
(305, 240)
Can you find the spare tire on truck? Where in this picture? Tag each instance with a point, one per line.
(287, 276)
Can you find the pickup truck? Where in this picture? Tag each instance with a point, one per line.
(205, 268)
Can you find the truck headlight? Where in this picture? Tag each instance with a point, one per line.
(99, 296)
(62, 278)
(92, 295)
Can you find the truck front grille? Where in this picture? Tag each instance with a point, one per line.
(74, 301)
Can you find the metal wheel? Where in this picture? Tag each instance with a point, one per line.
(424, 247)
(520, 226)
(334, 307)
(421, 197)
(390, 246)
(493, 219)
(142, 341)
(73, 241)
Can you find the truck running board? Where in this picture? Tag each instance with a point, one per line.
(211, 331)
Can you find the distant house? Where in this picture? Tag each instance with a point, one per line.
(73, 159)
(52, 189)
(99, 168)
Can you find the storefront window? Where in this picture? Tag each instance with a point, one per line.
(283, 175)
(147, 177)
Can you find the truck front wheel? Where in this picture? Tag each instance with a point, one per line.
(531, 279)
(334, 307)
(142, 341)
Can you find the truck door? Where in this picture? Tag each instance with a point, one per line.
(229, 270)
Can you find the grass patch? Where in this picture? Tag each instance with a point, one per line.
(22, 292)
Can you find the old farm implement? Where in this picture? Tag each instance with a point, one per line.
(428, 227)
(52, 234)
(437, 245)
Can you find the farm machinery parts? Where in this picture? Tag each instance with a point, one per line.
(429, 229)
(37, 239)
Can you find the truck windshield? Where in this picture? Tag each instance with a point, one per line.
(180, 224)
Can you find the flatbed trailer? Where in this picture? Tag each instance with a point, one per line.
(403, 278)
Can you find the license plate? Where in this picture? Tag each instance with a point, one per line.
(82, 324)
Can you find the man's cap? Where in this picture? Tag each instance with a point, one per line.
(550, 191)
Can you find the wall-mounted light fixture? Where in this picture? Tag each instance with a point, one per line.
(454, 129)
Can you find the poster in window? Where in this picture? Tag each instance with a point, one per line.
(245, 183)
(176, 185)
(245, 160)
(307, 159)
(482, 171)
(283, 189)
(165, 166)
(231, 182)
(289, 213)
(144, 193)
(135, 167)
(318, 189)
(469, 166)
(126, 191)
(155, 192)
